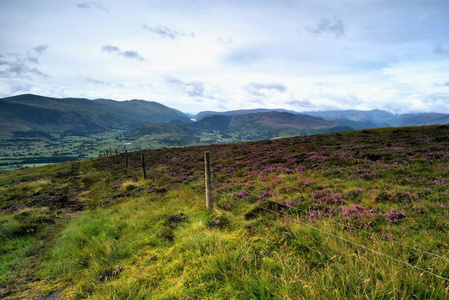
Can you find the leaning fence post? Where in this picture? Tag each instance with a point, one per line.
(208, 181)
(144, 172)
(126, 159)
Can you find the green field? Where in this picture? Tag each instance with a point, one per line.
(353, 215)
(27, 152)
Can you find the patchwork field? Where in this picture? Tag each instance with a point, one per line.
(349, 215)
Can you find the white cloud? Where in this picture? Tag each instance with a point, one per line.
(90, 4)
(226, 41)
(164, 31)
(328, 27)
(128, 53)
(440, 50)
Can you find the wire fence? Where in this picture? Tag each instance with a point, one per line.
(345, 239)
(134, 164)
(362, 231)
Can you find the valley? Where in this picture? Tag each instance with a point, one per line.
(36, 130)
(28, 152)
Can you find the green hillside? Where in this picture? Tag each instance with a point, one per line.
(32, 112)
(221, 129)
(350, 215)
(231, 113)
(279, 124)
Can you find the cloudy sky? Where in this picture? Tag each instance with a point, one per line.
(197, 55)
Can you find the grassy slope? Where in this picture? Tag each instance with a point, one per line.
(132, 242)
(79, 115)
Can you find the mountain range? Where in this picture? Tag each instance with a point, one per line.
(33, 113)
(356, 119)
(380, 118)
(239, 127)
(36, 113)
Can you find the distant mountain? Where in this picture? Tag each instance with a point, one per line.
(278, 124)
(423, 119)
(266, 125)
(274, 119)
(205, 114)
(270, 121)
(32, 115)
(37, 113)
(359, 119)
(378, 117)
(221, 128)
(355, 124)
(215, 122)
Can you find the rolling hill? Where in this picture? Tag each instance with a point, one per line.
(204, 114)
(214, 122)
(378, 118)
(278, 120)
(273, 124)
(423, 119)
(37, 113)
(375, 115)
(240, 127)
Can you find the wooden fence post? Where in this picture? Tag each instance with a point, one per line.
(126, 159)
(116, 155)
(208, 181)
(144, 172)
(110, 152)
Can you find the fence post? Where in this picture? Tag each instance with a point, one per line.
(126, 159)
(116, 155)
(110, 152)
(143, 167)
(208, 181)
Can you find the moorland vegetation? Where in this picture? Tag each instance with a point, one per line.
(349, 215)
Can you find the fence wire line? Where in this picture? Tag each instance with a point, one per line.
(348, 241)
(363, 231)
(139, 165)
(351, 242)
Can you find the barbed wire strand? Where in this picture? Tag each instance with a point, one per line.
(348, 241)
(364, 231)
(352, 242)
(134, 165)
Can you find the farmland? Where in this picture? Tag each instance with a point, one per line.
(30, 151)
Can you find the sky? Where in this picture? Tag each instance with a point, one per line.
(196, 55)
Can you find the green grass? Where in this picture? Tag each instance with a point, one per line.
(154, 238)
